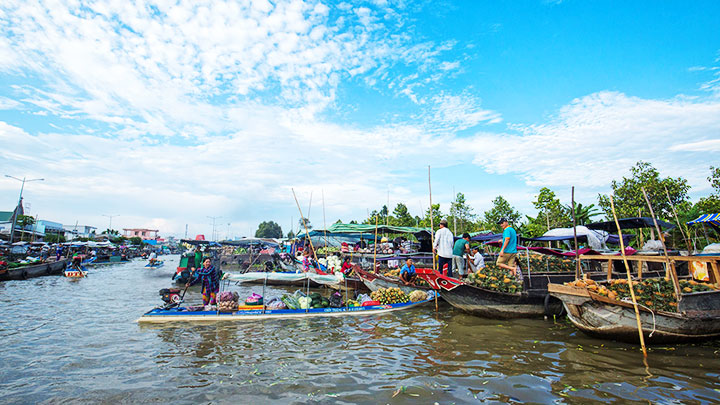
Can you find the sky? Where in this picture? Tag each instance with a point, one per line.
(167, 113)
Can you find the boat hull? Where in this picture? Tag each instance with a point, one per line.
(598, 317)
(375, 282)
(35, 270)
(159, 315)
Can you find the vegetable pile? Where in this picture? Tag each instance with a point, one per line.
(227, 301)
(418, 295)
(392, 295)
(545, 263)
(656, 294)
(495, 278)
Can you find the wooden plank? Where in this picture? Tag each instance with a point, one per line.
(715, 271)
(568, 289)
(640, 265)
(609, 269)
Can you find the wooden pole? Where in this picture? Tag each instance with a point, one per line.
(307, 233)
(680, 225)
(642, 237)
(324, 223)
(577, 257)
(629, 278)
(432, 225)
(375, 247)
(670, 271)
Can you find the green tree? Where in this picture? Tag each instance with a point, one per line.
(711, 203)
(401, 216)
(583, 213)
(136, 240)
(109, 231)
(551, 214)
(119, 240)
(461, 215)
(54, 238)
(628, 196)
(437, 216)
(269, 229)
(301, 225)
(291, 235)
(24, 221)
(501, 208)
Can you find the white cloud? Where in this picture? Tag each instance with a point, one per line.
(595, 139)
(9, 104)
(458, 112)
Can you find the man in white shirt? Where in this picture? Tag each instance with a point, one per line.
(478, 262)
(443, 247)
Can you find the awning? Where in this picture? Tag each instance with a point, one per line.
(340, 229)
(629, 223)
(711, 219)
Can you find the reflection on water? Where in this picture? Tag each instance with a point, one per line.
(78, 340)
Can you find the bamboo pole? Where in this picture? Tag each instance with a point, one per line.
(324, 223)
(375, 247)
(642, 237)
(307, 233)
(432, 225)
(577, 258)
(670, 271)
(629, 278)
(680, 225)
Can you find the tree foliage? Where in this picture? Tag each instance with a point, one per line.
(628, 196)
(136, 240)
(401, 216)
(551, 214)
(54, 238)
(461, 215)
(711, 203)
(269, 229)
(437, 215)
(501, 208)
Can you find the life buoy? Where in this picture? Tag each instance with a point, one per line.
(547, 307)
(48, 270)
(24, 274)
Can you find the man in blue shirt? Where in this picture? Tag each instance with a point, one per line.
(407, 273)
(508, 251)
(460, 250)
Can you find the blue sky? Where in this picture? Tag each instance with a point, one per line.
(168, 112)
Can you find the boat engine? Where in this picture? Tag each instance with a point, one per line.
(171, 296)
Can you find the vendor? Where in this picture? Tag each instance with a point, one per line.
(478, 262)
(153, 257)
(407, 273)
(346, 266)
(210, 277)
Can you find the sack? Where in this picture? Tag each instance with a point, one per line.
(336, 300)
(254, 299)
(370, 303)
(276, 303)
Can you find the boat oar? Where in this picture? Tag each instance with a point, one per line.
(629, 278)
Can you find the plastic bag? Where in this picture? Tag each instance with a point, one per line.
(276, 303)
(363, 297)
(336, 300)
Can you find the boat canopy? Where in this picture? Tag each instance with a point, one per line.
(340, 229)
(629, 223)
(712, 219)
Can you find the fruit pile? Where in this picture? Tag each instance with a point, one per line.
(392, 295)
(495, 278)
(657, 293)
(545, 263)
(227, 301)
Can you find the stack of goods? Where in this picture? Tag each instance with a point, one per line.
(656, 294)
(301, 301)
(392, 295)
(418, 295)
(227, 301)
(332, 263)
(545, 263)
(328, 250)
(495, 278)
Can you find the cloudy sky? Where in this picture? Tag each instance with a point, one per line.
(168, 112)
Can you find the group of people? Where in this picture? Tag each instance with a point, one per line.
(452, 255)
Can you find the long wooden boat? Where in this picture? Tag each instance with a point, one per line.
(100, 260)
(159, 315)
(34, 270)
(155, 265)
(529, 303)
(698, 316)
(374, 281)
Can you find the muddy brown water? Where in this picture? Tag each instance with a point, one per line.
(77, 341)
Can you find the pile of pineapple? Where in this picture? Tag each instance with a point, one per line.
(495, 278)
(655, 293)
(392, 295)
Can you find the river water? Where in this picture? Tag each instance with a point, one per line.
(69, 340)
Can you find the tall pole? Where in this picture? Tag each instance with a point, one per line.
(22, 187)
(111, 217)
(213, 228)
(577, 256)
(432, 225)
(452, 212)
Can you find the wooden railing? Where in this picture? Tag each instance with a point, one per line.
(713, 262)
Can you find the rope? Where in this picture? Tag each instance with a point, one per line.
(651, 311)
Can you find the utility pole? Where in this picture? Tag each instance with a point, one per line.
(213, 228)
(111, 217)
(186, 230)
(22, 187)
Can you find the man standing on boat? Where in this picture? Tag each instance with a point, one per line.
(508, 251)
(460, 249)
(443, 247)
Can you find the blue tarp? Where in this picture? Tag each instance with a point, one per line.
(712, 219)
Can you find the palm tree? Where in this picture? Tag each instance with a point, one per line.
(584, 214)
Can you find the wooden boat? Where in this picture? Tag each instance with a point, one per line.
(75, 273)
(285, 279)
(100, 260)
(156, 264)
(698, 316)
(159, 315)
(34, 270)
(374, 281)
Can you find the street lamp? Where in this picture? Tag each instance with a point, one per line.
(23, 180)
(111, 217)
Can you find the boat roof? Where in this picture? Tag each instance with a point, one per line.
(630, 223)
